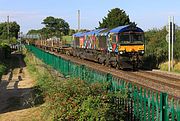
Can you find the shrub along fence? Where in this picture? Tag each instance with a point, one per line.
(141, 104)
(2, 53)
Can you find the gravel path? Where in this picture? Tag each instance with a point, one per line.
(15, 87)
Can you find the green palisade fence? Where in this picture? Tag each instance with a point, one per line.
(141, 104)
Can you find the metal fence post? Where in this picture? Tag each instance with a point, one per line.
(163, 107)
(67, 69)
(82, 72)
(178, 110)
(109, 79)
(130, 106)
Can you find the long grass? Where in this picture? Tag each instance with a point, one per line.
(164, 67)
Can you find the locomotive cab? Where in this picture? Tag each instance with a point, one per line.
(131, 42)
(128, 45)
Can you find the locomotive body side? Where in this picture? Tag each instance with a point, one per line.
(87, 46)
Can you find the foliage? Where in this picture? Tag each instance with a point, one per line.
(71, 32)
(53, 27)
(6, 50)
(56, 26)
(8, 41)
(74, 99)
(3, 65)
(164, 67)
(115, 17)
(157, 47)
(2, 69)
(67, 39)
(177, 46)
(41, 32)
(177, 67)
(33, 31)
(13, 41)
(13, 30)
(77, 100)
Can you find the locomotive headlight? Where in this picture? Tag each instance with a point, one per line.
(142, 51)
(121, 52)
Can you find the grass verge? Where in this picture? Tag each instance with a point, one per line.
(164, 67)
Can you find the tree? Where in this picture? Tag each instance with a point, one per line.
(71, 32)
(156, 47)
(13, 30)
(34, 31)
(115, 17)
(177, 46)
(55, 26)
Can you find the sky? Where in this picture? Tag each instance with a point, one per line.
(29, 14)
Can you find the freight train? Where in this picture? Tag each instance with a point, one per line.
(121, 47)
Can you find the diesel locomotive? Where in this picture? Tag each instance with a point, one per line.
(121, 47)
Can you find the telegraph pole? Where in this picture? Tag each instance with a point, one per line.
(172, 64)
(78, 20)
(171, 28)
(169, 46)
(8, 26)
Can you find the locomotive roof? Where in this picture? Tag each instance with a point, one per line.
(94, 32)
(79, 34)
(105, 32)
(125, 28)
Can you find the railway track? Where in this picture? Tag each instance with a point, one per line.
(171, 78)
(158, 82)
(162, 79)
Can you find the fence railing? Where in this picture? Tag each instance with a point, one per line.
(141, 104)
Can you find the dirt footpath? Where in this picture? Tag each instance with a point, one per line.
(16, 91)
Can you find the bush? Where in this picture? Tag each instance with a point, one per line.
(177, 67)
(75, 99)
(156, 47)
(6, 49)
(2, 70)
(164, 66)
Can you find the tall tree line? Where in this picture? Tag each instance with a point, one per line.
(115, 17)
(52, 27)
(157, 46)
